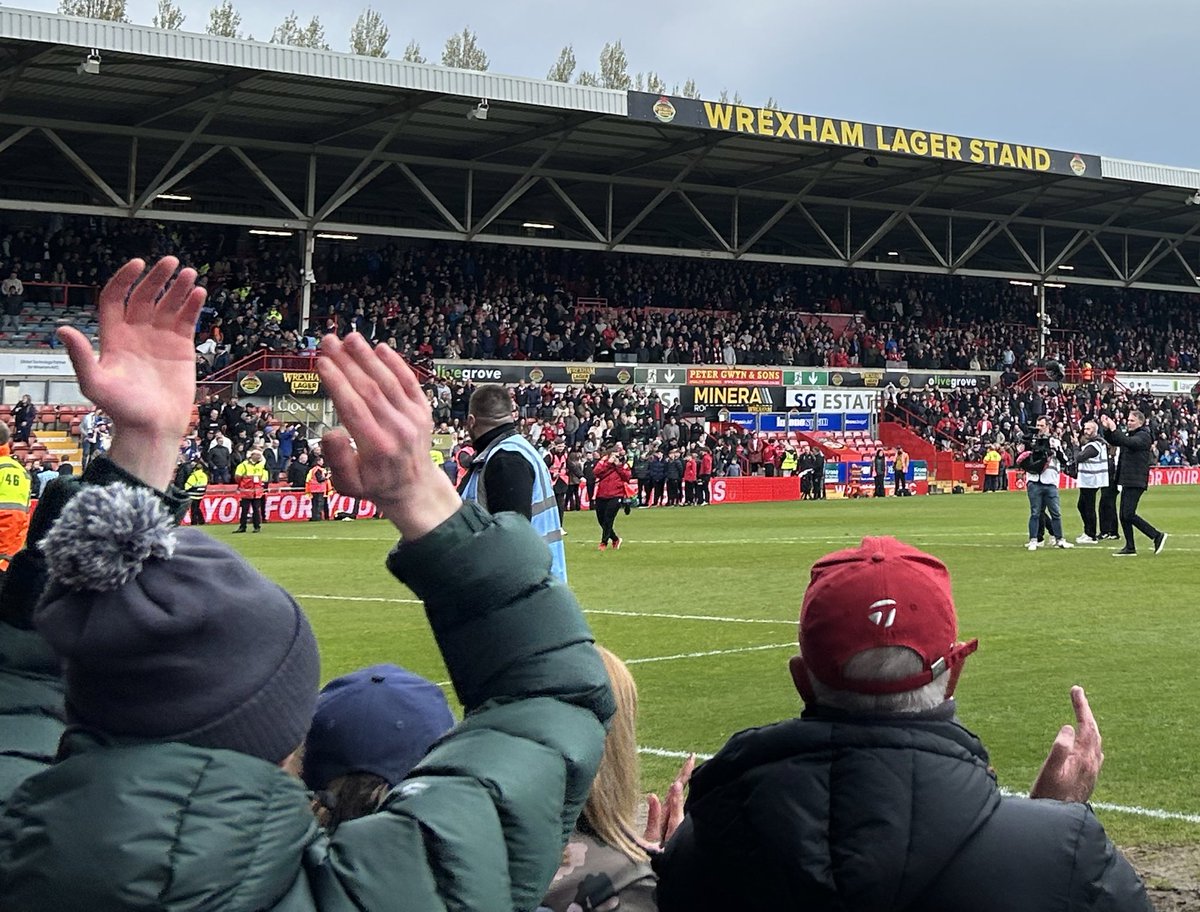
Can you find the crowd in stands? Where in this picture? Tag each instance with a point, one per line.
(454, 301)
(164, 746)
(969, 423)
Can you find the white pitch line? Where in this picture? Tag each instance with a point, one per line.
(1135, 810)
(604, 611)
(710, 652)
(685, 617)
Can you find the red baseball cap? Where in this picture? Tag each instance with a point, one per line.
(882, 593)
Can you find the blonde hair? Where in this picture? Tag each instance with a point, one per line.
(612, 803)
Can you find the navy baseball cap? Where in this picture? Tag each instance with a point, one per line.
(380, 720)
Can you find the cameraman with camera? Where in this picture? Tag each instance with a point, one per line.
(1042, 463)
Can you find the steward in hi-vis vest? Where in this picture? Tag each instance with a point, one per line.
(14, 502)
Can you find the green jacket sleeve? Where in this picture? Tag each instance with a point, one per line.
(481, 822)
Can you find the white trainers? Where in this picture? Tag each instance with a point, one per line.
(1086, 540)
(1063, 543)
(1032, 546)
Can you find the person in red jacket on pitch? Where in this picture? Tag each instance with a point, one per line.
(611, 475)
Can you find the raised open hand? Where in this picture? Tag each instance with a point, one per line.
(1071, 769)
(663, 818)
(145, 377)
(382, 406)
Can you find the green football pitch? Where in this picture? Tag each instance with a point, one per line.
(702, 603)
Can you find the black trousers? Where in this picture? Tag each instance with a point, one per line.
(1130, 519)
(606, 513)
(674, 491)
(252, 508)
(560, 495)
(1108, 510)
(573, 496)
(644, 487)
(320, 510)
(704, 483)
(900, 479)
(880, 489)
(196, 513)
(1087, 510)
(656, 492)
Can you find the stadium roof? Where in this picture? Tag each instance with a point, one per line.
(299, 140)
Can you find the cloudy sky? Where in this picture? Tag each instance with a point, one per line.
(1107, 77)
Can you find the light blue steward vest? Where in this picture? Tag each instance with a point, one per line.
(544, 516)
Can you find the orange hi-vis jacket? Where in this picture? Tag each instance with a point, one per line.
(15, 486)
(318, 484)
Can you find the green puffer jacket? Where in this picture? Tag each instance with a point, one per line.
(31, 706)
(478, 825)
(31, 690)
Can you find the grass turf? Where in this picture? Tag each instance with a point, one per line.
(732, 577)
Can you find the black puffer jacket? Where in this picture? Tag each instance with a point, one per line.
(1133, 465)
(871, 816)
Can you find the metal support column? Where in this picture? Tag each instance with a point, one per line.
(1039, 289)
(307, 278)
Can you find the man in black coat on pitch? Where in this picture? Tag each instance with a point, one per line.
(1133, 477)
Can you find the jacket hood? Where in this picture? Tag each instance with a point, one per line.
(153, 827)
(864, 813)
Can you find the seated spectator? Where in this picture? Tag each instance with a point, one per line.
(605, 865)
(192, 679)
(371, 727)
(876, 797)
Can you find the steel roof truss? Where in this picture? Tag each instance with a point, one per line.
(272, 188)
(586, 222)
(662, 195)
(351, 185)
(925, 240)
(84, 168)
(151, 190)
(431, 197)
(700, 216)
(1020, 248)
(1109, 260)
(1149, 263)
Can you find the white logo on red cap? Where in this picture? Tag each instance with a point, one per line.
(877, 616)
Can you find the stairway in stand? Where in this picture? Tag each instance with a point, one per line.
(62, 446)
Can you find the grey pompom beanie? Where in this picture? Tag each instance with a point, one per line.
(169, 635)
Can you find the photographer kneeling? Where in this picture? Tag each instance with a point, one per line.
(1042, 463)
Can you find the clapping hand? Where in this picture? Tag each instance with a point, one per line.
(388, 417)
(663, 819)
(1073, 765)
(145, 376)
(1108, 423)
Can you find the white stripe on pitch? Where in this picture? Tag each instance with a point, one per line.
(1135, 810)
(711, 652)
(604, 611)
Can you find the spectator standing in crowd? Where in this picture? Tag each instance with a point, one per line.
(317, 486)
(1093, 461)
(370, 728)
(297, 474)
(1133, 476)
(879, 470)
(15, 491)
(13, 291)
(1042, 464)
(690, 475)
(24, 414)
(251, 475)
(210, 749)
(45, 476)
(611, 475)
(811, 813)
(674, 471)
(89, 433)
(656, 474)
(507, 473)
(220, 459)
